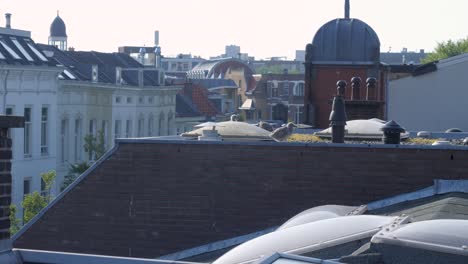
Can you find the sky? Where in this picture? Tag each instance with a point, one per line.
(262, 28)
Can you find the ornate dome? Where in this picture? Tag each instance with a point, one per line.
(58, 28)
(349, 40)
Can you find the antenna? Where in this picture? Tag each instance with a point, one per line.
(347, 9)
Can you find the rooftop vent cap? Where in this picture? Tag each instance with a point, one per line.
(465, 141)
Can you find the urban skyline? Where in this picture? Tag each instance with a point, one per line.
(263, 29)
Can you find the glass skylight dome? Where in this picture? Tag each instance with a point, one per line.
(306, 238)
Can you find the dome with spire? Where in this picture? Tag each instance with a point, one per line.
(347, 40)
(58, 28)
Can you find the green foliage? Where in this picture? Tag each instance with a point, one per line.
(15, 223)
(447, 49)
(49, 179)
(274, 69)
(94, 145)
(74, 171)
(32, 204)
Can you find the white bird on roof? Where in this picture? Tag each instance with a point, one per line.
(265, 126)
(235, 117)
(282, 133)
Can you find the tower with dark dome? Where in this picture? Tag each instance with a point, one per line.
(58, 33)
(341, 49)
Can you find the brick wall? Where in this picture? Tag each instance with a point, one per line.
(152, 199)
(322, 88)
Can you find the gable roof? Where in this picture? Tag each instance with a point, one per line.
(184, 108)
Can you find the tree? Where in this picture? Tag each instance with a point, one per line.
(74, 171)
(94, 145)
(447, 49)
(33, 203)
(15, 223)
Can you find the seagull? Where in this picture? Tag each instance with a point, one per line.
(234, 117)
(282, 133)
(265, 126)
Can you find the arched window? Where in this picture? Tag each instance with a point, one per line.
(161, 124)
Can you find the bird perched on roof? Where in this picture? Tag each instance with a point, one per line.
(265, 126)
(235, 117)
(282, 133)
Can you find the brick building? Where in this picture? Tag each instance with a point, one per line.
(276, 97)
(341, 49)
(148, 198)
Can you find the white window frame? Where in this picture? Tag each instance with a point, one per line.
(117, 129)
(128, 128)
(45, 130)
(78, 139)
(28, 132)
(64, 140)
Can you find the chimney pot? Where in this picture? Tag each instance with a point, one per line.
(8, 20)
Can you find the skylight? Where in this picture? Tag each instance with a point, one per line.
(37, 52)
(21, 48)
(10, 50)
(69, 75)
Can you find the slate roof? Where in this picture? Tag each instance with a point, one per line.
(20, 50)
(79, 64)
(184, 108)
(396, 58)
(345, 40)
(58, 28)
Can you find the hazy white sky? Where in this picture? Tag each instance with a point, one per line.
(263, 28)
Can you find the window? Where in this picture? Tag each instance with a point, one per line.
(259, 114)
(10, 50)
(186, 67)
(21, 48)
(160, 125)
(141, 123)
(169, 125)
(150, 99)
(64, 140)
(299, 114)
(78, 139)
(128, 128)
(105, 132)
(26, 186)
(286, 88)
(38, 54)
(118, 99)
(117, 128)
(299, 89)
(92, 127)
(140, 99)
(150, 126)
(44, 130)
(27, 132)
(274, 92)
(43, 188)
(9, 111)
(129, 100)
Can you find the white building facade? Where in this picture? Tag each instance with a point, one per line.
(434, 99)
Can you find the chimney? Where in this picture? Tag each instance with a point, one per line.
(6, 122)
(347, 9)
(8, 20)
(140, 78)
(156, 38)
(338, 114)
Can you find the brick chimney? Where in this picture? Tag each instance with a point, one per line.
(6, 122)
